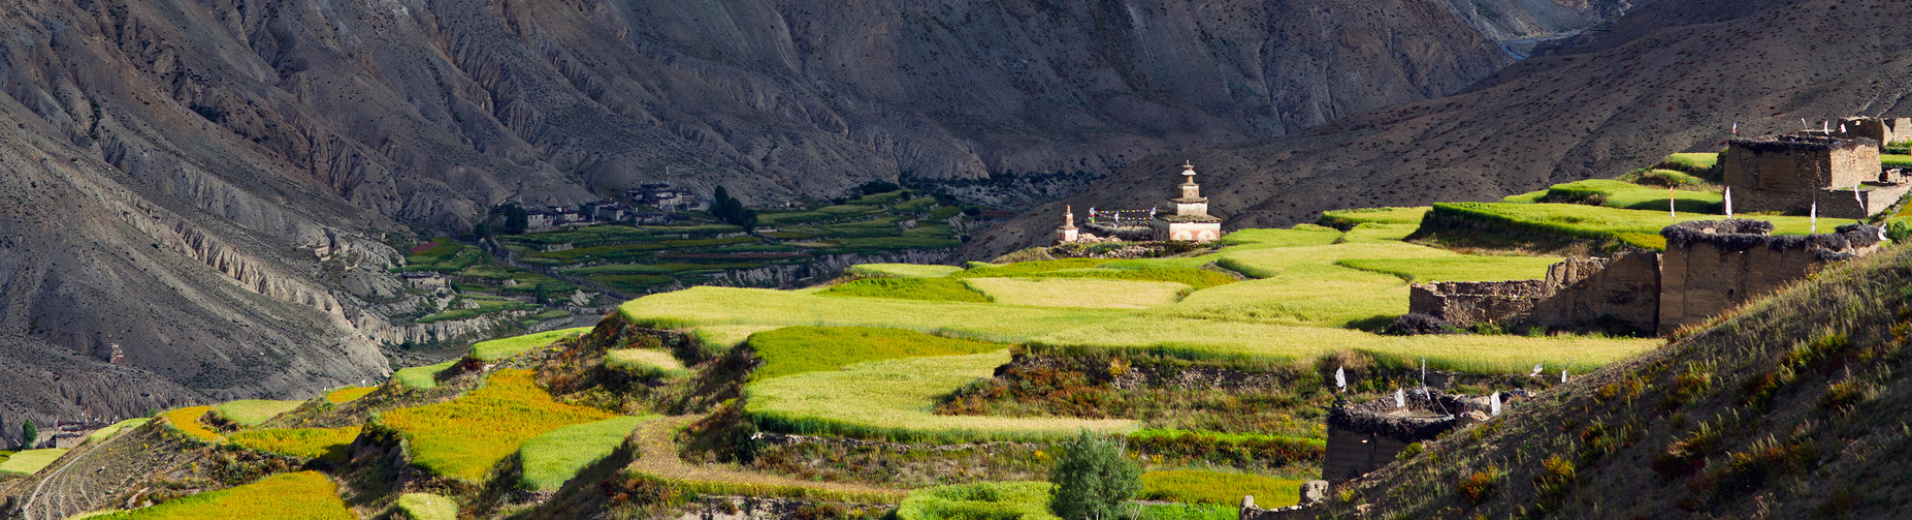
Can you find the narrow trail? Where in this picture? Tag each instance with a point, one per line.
(657, 456)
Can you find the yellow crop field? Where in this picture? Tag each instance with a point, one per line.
(1190, 486)
(465, 437)
(348, 394)
(306, 495)
(426, 506)
(187, 420)
(701, 307)
(893, 398)
(110, 431)
(904, 270)
(311, 443)
(1078, 292)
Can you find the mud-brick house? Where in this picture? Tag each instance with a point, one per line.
(1794, 173)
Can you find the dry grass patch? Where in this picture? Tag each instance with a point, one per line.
(465, 437)
(110, 431)
(645, 359)
(1078, 292)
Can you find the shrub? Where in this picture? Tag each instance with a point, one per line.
(1556, 478)
(1685, 456)
(1480, 486)
(1093, 477)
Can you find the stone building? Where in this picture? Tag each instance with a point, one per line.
(1067, 232)
(1363, 437)
(1883, 130)
(1191, 222)
(1708, 268)
(1792, 173)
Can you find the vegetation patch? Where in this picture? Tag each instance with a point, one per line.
(979, 501)
(645, 360)
(312, 443)
(114, 429)
(1214, 487)
(1309, 294)
(465, 437)
(1466, 268)
(306, 495)
(349, 394)
(1264, 263)
(186, 420)
(253, 412)
(923, 289)
(796, 350)
(556, 457)
(1078, 292)
(28, 462)
(1349, 218)
(1618, 194)
(1025, 269)
(719, 309)
(1373, 232)
(503, 348)
(893, 399)
(426, 506)
(422, 378)
(904, 270)
(1197, 279)
(1637, 228)
(1300, 235)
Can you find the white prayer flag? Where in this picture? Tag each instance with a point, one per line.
(1495, 401)
(1729, 202)
(1537, 368)
(1400, 398)
(1855, 196)
(1825, 126)
(1815, 218)
(1842, 128)
(1563, 375)
(1804, 124)
(1423, 375)
(1669, 204)
(1340, 379)
(1735, 128)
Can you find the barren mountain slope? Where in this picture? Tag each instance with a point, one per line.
(202, 182)
(1792, 409)
(1687, 70)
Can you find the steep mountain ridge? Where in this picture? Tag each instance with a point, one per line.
(1670, 77)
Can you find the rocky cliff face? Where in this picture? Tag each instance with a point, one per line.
(1672, 76)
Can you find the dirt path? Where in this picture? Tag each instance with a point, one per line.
(658, 456)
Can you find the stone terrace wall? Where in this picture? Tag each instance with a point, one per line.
(1787, 173)
(1712, 266)
(1887, 130)
(1578, 292)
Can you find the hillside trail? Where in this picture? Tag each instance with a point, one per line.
(657, 456)
(86, 477)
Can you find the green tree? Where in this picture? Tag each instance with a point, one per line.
(1093, 477)
(29, 434)
(516, 220)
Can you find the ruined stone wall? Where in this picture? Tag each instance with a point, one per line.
(1363, 437)
(1624, 290)
(1467, 303)
(1886, 130)
(1712, 266)
(1787, 173)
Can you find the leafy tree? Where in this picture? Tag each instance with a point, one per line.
(29, 434)
(1093, 477)
(516, 220)
(749, 219)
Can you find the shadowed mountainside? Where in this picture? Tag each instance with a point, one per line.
(205, 182)
(1670, 77)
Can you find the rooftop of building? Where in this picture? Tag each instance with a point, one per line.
(1801, 143)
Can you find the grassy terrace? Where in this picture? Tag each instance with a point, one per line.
(1638, 228)
(306, 495)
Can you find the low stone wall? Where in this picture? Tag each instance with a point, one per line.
(1577, 293)
(1467, 303)
(1363, 437)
